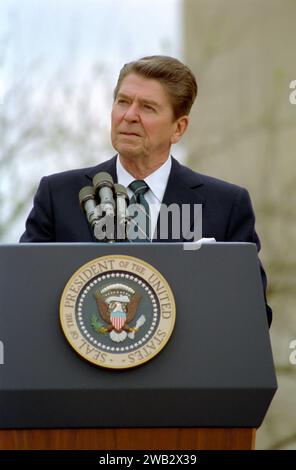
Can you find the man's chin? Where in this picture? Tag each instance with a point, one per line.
(129, 151)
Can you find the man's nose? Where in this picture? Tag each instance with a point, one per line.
(132, 113)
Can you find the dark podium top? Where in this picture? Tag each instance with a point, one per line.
(216, 370)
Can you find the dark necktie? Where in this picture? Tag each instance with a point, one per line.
(139, 188)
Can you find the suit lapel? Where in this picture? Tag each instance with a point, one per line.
(184, 188)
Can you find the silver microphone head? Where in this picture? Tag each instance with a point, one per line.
(120, 190)
(86, 193)
(88, 204)
(102, 179)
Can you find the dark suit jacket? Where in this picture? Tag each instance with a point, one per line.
(227, 213)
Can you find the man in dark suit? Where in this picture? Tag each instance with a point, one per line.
(152, 102)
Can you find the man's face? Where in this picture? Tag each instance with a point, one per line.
(143, 123)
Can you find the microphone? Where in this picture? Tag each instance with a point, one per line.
(100, 201)
(103, 184)
(88, 204)
(104, 230)
(121, 210)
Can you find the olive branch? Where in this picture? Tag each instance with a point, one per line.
(97, 326)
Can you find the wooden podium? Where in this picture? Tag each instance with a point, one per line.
(129, 439)
(209, 388)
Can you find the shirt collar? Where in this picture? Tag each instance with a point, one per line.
(157, 181)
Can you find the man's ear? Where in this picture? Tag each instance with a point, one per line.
(180, 126)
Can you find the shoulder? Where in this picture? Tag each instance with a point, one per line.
(210, 184)
(77, 176)
(68, 175)
(79, 172)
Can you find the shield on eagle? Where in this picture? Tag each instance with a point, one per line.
(117, 305)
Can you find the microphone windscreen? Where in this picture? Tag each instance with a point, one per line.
(85, 194)
(102, 179)
(120, 190)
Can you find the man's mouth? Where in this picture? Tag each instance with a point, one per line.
(130, 134)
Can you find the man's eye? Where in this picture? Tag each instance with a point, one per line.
(121, 101)
(150, 108)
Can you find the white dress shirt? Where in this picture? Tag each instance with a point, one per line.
(157, 182)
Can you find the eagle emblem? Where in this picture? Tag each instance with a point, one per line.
(117, 306)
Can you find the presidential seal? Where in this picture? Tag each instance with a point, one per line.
(117, 311)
